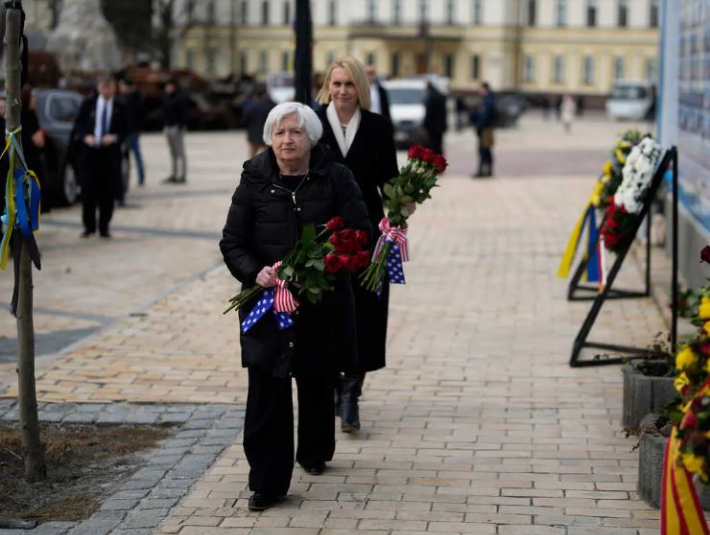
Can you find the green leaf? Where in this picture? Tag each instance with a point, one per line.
(308, 234)
(389, 190)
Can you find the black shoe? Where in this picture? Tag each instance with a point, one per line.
(350, 416)
(260, 501)
(86, 234)
(315, 469)
(181, 180)
(170, 180)
(106, 234)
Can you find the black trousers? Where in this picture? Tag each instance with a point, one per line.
(98, 188)
(436, 142)
(268, 427)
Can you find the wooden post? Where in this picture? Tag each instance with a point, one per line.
(35, 467)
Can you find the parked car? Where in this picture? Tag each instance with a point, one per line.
(280, 87)
(630, 100)
(56, 110)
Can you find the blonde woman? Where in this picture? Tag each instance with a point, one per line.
(364, 142)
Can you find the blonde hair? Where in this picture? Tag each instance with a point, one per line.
(356, 71)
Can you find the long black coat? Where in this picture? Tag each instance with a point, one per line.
(262, 226)
(84, 126)
(373, 160)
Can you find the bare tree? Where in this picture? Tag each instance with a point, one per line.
(174, 20)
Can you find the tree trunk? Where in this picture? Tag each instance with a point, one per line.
(35, 467)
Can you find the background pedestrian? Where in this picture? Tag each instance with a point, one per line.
(435, 118)
(364, 142)
(568, 112)
(255, 114)
(379, 101)
(102, 126)
(133, 100)
(175, 122)
(483, 119)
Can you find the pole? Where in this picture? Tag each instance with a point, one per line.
(674, 274)
(35, 467)
(303, 64)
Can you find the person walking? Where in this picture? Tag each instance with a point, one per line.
(435, 123)
(364, 142)
(255, 116)
(483, 119)
(568, 111)
(379, 100)
(175, 121)
(293, 183)
(133, 100)
(101, 126)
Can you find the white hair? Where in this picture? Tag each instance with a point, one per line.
(306, 118)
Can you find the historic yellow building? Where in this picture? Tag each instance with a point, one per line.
(541, 46)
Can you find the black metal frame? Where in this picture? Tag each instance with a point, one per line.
(670, 160)
(575, 286)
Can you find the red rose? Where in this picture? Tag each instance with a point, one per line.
(352, 263)
(361, 238)
(440, 163)
(415, 152)
(705, 254)
(344, 241)
(332, 263)
(335, 224)
(705, 348)
(428, 155)
(612, 224)
(363, 259)
(695, 405)
(690, 421)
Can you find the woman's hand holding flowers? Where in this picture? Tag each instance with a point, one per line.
(266, 277)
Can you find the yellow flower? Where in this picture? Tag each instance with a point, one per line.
(685, 359)
(681, 381)
(704, 309)
(620, 156)
(694, 464)
(607, 168)
(606, 177)
(706, 327)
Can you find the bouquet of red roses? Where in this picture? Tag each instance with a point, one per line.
(310, 267)
(412, 186)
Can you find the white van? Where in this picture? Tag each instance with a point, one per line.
(630, 100)
(407, 109)
(280, 87)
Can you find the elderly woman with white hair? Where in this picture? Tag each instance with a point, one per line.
(295, 182)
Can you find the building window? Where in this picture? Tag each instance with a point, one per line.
(211, 61)
(371, 60)
(623, 14)
(528, 69)
(210, 13)
(477, 12)
(652, 70)
(285, 60)
(287, 13)
(264, 61)
(332, 13)
(591, 13)
(450, 12)
(394, 65)
(558, 70)
(189, 11)
(244, 12)
(618, 68)
(561, 13)
(423, 11)
(190, 59)
(475, 67)
(588, 70)
(243, 63)
(653, 15)
(330, 58)
(397, 14)
(265, 13)
(532, 12)
(371, 11)
(449, 66)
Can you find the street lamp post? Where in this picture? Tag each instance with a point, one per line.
(303, 60)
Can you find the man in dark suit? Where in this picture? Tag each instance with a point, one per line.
(435, 118)
(379, 101)
(101, 126)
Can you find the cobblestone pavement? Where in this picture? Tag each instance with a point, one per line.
(477, 425)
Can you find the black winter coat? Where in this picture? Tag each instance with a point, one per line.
(373, 160)
(263, 225)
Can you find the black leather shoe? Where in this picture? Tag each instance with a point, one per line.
(169, 180)
(315, 469)
(260, 501)
(106, 234)
(86, 234)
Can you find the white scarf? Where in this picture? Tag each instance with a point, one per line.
(345, 141)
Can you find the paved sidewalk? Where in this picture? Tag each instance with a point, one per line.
(477, 425)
